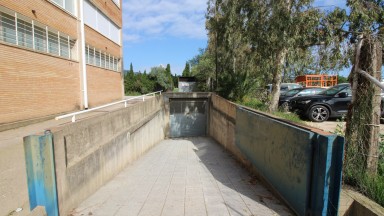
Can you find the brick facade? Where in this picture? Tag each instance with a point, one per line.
(103, 86)
(98, 41)
(35, 84)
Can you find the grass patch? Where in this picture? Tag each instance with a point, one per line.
(370, 185)
(259, 105)
(289, 116)
(253, 103)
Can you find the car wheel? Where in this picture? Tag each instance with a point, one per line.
(318, 113)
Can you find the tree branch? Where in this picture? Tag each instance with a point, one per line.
(370, 78)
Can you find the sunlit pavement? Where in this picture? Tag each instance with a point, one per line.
(183, 177)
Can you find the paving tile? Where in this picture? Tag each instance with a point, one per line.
(183, 177)
(129, 210)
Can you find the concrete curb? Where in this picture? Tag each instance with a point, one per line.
(354, 203)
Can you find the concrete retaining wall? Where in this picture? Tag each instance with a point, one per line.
(301, 164)
(90, 152)
(222, 118)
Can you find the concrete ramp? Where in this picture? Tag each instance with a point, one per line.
(192, 176)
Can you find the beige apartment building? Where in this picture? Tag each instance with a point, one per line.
(58, 56)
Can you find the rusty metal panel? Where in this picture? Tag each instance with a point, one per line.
(41, 173)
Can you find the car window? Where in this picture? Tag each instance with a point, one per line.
(348, 90)
(334, 90)
(306, 92)
(284, 88)
(292, 92)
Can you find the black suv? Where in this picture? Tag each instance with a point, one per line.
(332, 102)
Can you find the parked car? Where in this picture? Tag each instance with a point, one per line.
(288, 95)
(332, 102)
(284, 87)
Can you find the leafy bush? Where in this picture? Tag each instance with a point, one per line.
(253, 103)
(259, 105)
(370, 185)
(289, 116)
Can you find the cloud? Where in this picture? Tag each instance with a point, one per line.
(162, 18)
(130, 37)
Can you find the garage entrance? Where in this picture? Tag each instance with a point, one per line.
(188, 117)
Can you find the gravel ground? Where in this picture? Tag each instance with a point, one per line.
(331, 125)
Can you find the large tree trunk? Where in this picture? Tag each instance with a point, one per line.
(363, 120)
(277, 76)
(374, 142)
(280, 56)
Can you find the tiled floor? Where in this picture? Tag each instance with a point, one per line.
(183, 177)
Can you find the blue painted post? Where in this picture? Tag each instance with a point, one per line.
(326, 175)
(40, 164)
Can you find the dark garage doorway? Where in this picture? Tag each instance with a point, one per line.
(188, 117)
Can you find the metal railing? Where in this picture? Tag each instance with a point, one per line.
(73, 115)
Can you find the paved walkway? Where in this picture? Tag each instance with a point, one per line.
(183, 177)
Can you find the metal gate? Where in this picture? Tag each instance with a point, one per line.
(188, 117)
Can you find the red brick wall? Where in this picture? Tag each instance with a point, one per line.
(34, 85)
(104, 86)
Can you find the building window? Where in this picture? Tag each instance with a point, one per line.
(68, 5)
(40, 39)
(102, 62)
(64, 47)
(22, 31)
(53, 43)
(24, 34)
(99, 59)
(95, 19)
(91, 56)
(7, 28)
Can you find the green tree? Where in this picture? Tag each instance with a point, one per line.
(187, 70)
(366, 21)
(175, 79)
(169, 74)
(203, 67)
(161, 78)
(342, 79)
(235, 68)
(130, 81)
(146, 84)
